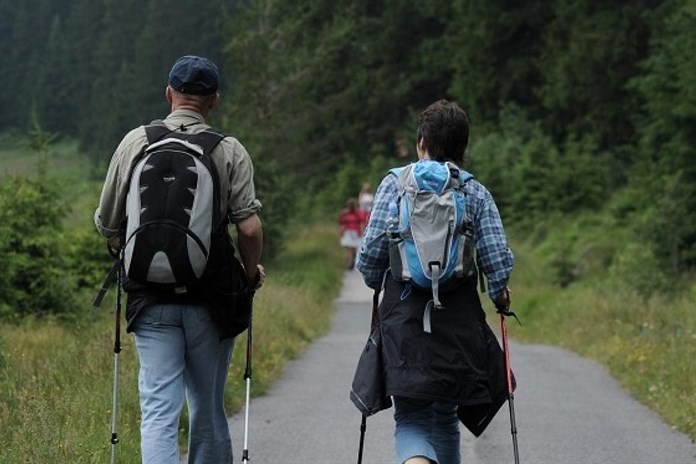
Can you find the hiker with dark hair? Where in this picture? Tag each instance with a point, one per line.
(440, 358)
(171, 190)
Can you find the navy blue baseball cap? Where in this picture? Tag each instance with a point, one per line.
(194, 75)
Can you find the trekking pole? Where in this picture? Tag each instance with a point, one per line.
(363, 428)
(505, 311)
(117, 350)
(247, 379)
(363, 421)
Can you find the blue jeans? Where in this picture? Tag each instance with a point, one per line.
(426, 428)
(181, 355)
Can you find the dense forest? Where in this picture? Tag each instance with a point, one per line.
(575, 105)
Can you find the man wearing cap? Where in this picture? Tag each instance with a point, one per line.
(180, 349)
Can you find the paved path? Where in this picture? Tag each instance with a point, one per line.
(569, 410)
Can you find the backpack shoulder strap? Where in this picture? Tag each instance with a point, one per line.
(208, 140)
(402, 176)
(396, 171)
(465, 176)
(459, 176)
(156, 131)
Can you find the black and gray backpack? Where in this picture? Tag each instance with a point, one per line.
(172, 209)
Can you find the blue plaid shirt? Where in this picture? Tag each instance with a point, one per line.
(495, 256)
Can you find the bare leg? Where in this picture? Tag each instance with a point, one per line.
(418, 460)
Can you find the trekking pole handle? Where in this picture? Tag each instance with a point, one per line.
(504, 311)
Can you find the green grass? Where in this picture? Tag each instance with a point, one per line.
(648, 342)
(17, 160)
(67, 168)
(56, 383)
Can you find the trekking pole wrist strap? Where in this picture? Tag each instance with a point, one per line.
(504, 310)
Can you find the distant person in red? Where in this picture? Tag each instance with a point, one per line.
(352, 222)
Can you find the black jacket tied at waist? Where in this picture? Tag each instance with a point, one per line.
(459, 361)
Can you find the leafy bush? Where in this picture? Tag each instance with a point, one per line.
(636, 263)
(33, 277)
(87, 257)
(666, 143)
(532, 177)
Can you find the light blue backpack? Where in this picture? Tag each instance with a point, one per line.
(431, 240)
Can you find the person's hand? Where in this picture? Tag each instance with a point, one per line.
(115, 242)
(259, 278)
(504, 300)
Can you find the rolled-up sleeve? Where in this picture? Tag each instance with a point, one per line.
(241, 192)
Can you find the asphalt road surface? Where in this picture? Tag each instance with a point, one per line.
(569, 410)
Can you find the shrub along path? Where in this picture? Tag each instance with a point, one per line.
(569, 410)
